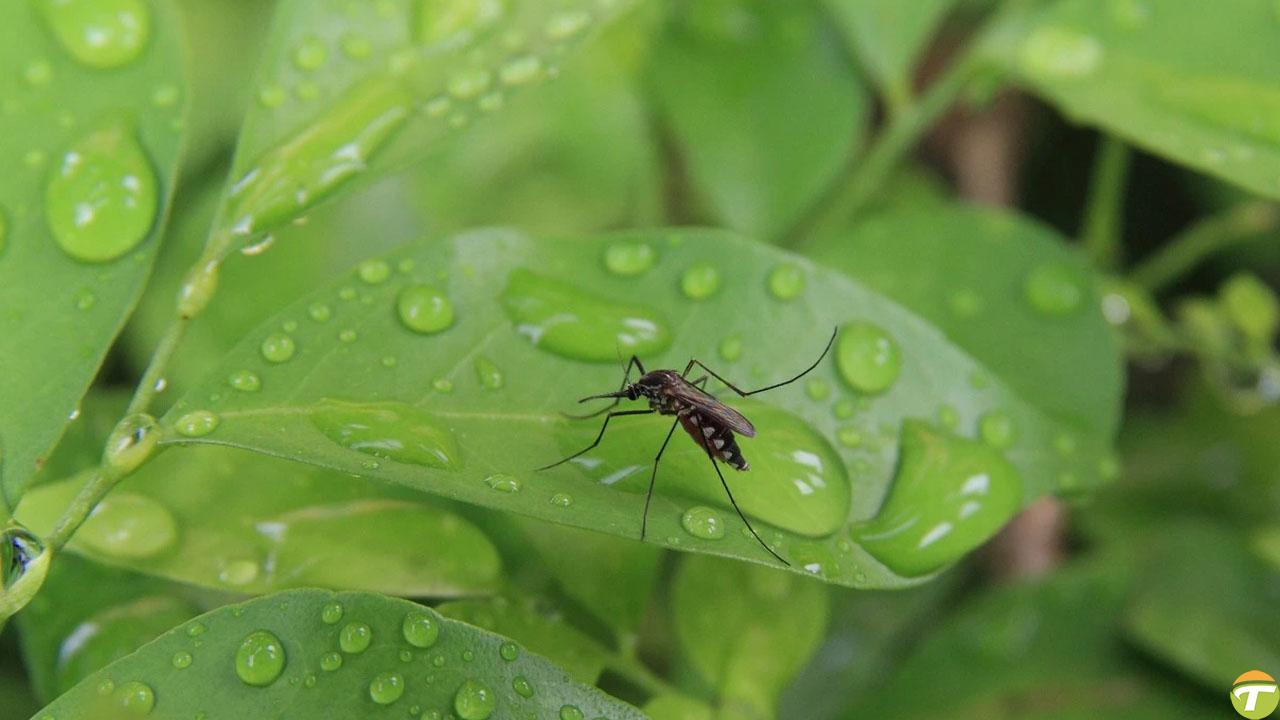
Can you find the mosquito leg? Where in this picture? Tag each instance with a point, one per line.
(599, 436)
(626, 377)
(744, 393)
(733, 502)
(644, 519)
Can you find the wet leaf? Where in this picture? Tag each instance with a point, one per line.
(91, 142)
(419, 369)
(1197, 88)
(270, 655)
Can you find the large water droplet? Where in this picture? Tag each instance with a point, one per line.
(868, 357)
(703, 522)
(1054, 289)
(260, 659)
(20, 551)
(131, 442)
(421, 628)
(102, 34)
(700, 281)
(474, 701)
(522, 686)
(424, 309)
(786, 281)
(628, 258)
(390, 430)
(560, 318)
(386, 688)
(949, 495)
(101, 199)
(1061, 53)
(127, 525)
(136, 699)
(509, 651)
(355, 637)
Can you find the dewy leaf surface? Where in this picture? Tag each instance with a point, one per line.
(91, 138)
(312, 653)
(1199, 87)
(445, 367)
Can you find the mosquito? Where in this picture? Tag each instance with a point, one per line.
(708, 421)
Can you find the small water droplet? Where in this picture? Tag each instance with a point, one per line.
(105, 687)
(182, 659)
(1065, 444)
(1054, 289)
(271, 95)
(562, 500)
(196, 424)
(85, 299)
(347, 335)
(278, 348)
(406, 656)
(310, 53)
(570, 712)
(128, 525)
(239, 572)
(330, 661)
(522, 686)
(135, 698)
(703, 522)
(965, 304)
(474, 701)
(947, 417)
(487, 373)
(386, 688)
(849, 437)
(469, 84)
(102, 34)
(731, 348)
(521, 70)
(444, 385)
(424, 309)
(421, 628)
(38, 72)
(355, 637)
(165, 96)
(374, 271)
(331, 613)
(867, 357)
(509, 651)
(565, 25)
(260, 659)
(196, 630)
(700, 281)
(503, 483)
(817, 389)
(996, 429)
(101, 200)
(319, 312)
(629, 258)
(786, 282)
(1061, 53)
(245, 381)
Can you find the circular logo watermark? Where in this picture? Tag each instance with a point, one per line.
(1255, 695)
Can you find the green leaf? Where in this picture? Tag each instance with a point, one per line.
(889, 36)
(267, 657)
(1007, 290)
(746, 630)
(1198, 88)
(542, 633)
(243, 522)
(69, 634)
(470, 410)
(677, 707)
(1205, 605)
(90, 147)
(763, 106)
(348, 92)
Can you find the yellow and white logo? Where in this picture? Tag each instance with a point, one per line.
(1255, 695)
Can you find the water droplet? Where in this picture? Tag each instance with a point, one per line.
(565, 25)
(271, 96)
(491, 101)
(39, 72)
(196, 630)
(196, 424)
(128, 525)
(330, 661)
(469, 84)
(374, 272)
(849, 437)
(21, 564)
(509, 651)
(386, 688)
(355, 637)
(105, 687)
(703, 522)
(101, 200)
(817, 389)
(278, 348)
(949, 495)
(238, 573)
(260, 659)
(165, 96)
(867, 357)
(182, 659)
(503, 483)
(521, 70)
(421, 628)
(135, 698)
(101, 34)
(786, 282)
(310, 53)
(331, 613)
(700, 281)
(474, 701)
(522, 686)
(131, 442)
(562, 500)
(347, 335)
(996, 429)
(406, 656)
(85, 299)
(569, 322)
(245, 381)
(355, 47)
(443, 385)
(570, 712)
(1054, 289)
(319, 312)
(1061, 53)
(487, 373)
(424, 309)
(629, 258)
(731, 348)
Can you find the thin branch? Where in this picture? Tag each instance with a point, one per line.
(1236, 225)
(1104, 208)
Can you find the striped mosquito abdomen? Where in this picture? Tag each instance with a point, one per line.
(714, 437)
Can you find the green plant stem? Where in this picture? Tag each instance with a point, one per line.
(1104, 208)
(1235, 225)
(145, 392)
(644, 678)
(864, 177)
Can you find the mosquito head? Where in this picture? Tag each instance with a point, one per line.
(630, 392)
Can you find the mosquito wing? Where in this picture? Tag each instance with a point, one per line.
(708, 405)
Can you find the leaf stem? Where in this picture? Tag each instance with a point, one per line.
(1104, 207)
(1236, 225)
(638, 673)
